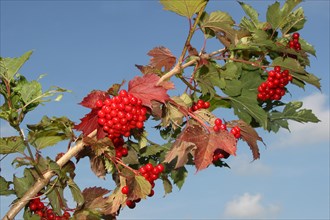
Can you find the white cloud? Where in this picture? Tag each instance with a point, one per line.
(250, 206)
(309, 133)
(242, 165)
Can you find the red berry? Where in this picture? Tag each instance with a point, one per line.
(124, 152)
(142, 170)
(152, 192)
(277, 69)
(149, 167)
(40, 213)
(40, 205)
(207, 105)
(160, 168)
(218, 122)
(123, 93)
(33, 206)
(223, 127)
(216, 128)
(131, 204)
(295, 35)
(66, 215)
(99, 103)
(125, 190)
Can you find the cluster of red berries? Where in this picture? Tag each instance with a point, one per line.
(200, 104)
(39, 208)
(118, 143)
(294, 42)
(220, 154)
(119, 114)
(150, 173)
(218, 125)
(274, 87)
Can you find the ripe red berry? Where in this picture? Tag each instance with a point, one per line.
(277, 69)
(99, 103)
(216, 128)
(131, 204)
(295, 35)
(149, 167)
(152, 192)
(218, 122)
(33, 206)
(125, 190)
(207, 105)
(66, 215)
(160, 168)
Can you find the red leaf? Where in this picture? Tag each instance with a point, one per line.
(204, 142)
(249, 135)
(91, 193)
(89, 123)
(208, 143)
(145, 89)
(90, 100)
(162, 57)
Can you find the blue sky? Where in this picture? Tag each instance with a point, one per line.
(86, 45)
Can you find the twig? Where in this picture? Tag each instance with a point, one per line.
(42, 182)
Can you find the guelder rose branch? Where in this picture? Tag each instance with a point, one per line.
(42, 182)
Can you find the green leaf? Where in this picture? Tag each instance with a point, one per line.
(251, 12)
(289, 5)
(76, 193)
(186, 8)
(14, 144)
(151, 150)
(143, 141)
(179, 176)
(246, 107)
(293, 22)
(291, 112)
(219, 21)
(308, 48)
(273, 15)
(297, 71)
(56, 197)
(30, 91)
(208, 77)
(5, 187)
(233, 87)
(50, 131)
(10, 66)
(139, 186)
(23, 184)
(167, 185)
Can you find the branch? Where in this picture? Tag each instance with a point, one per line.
(42, 182)
(178, 67)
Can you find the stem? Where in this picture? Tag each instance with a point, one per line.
(177, 68)
(42, 182)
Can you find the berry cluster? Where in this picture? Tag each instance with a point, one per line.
(220, 154)
(150, 173)
(200, 105)
(119, 114)
(236, 131)
(294, 42)
(39, 208)
(218, 125)
(118, 143)
(274, 87)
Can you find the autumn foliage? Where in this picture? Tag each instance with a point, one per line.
(258, 63)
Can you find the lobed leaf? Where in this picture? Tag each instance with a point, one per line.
(14, 144)
(5, 187)
(246, 107)
(162, 57)
(145, 89)
(10, 66)
(186, 8)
